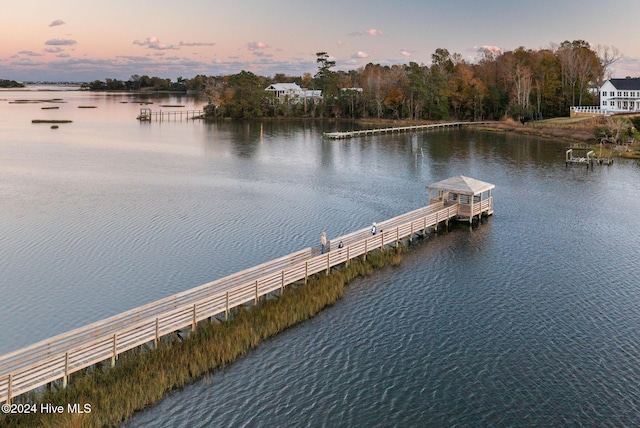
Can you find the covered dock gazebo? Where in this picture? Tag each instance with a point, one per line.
(472, 196)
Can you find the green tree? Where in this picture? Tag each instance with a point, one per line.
(441, 70)
(244, 96)
(326, 79)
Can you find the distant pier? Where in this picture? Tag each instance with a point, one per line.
(400, 129)
(147, 115)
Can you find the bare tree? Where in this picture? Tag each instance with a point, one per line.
(608, 56)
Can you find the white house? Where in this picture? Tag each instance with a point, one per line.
(620, 95)
(292, 93)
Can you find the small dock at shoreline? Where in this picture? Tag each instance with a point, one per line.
(147, 115)
(352, 134)
(52, 361)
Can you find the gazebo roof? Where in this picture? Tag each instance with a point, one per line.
(462, 185)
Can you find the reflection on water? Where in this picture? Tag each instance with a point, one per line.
(532, 317)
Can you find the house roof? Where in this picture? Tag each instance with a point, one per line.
(628, 84)
(462, 185)
(283, 87)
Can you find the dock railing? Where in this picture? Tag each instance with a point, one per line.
(56, 358)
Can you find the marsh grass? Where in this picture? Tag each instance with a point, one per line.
(143, 376)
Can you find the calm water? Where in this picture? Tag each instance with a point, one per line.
(532, 319)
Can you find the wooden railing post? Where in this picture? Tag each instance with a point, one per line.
(114, 354)
(9, 387)
(194, 322)
(348, 255)
(256, 291)
(306, 272)
(156, 340)
(328, 266)
(366, 241)
(282, 283)
(65, 379)
(226, 310)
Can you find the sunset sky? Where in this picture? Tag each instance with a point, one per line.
(74, 40)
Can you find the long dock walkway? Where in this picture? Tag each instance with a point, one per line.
(400, 129)
(56, 358)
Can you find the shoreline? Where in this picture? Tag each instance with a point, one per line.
(580, 132)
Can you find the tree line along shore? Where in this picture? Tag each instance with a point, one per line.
(524, 85)
(520, 84)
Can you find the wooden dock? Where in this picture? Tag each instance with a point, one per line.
(401, 129)
(56, 358)
(147, 115)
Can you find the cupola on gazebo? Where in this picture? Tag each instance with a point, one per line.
(472, 196)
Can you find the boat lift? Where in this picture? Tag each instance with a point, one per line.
(589, 159)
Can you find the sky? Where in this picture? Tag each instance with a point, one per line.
(73, 40)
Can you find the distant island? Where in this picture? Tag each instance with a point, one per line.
(10, 84)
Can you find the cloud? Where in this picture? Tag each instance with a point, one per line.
(252, 46)
(29, 53)
(340, 43)
(57, 23)
(196, 44)
(262, 54)
(374, 32)
(60, 42)
(626, 66)
(26, 62)
(360, 55)
(154, 43)
(491, 49)
(405, 53)
(54, 49)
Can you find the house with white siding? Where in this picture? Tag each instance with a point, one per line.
(620, 95)
(292, 93)
(616, 96)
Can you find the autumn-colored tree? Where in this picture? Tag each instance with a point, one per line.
(580, 67)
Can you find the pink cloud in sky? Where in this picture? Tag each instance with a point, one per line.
(154, 43)
(374, 32)
(196, 44)
(405, 53)
(252, 46)
(56, 23)
(360, 54)
(29, 53)
(492, 49)
(60, 42)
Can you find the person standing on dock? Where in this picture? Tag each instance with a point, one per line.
(323, 242)
(374, 228)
